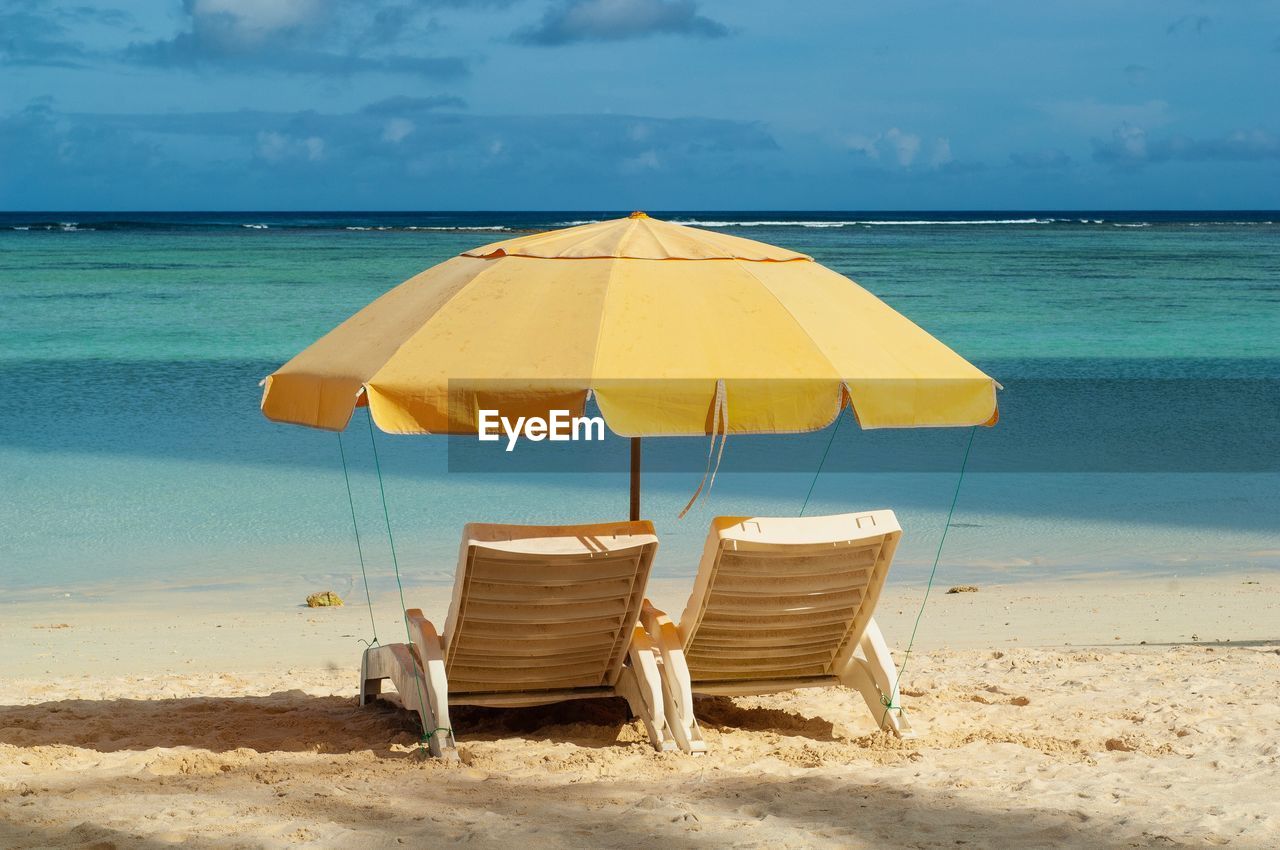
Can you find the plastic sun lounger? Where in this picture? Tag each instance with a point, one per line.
(779, 604)
(540, 614)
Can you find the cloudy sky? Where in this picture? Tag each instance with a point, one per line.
(614, 104)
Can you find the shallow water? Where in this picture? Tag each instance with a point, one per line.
(1139, 353)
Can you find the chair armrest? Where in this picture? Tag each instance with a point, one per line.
(425, 637)
(430, 651)
(670, 643)
(653, 618)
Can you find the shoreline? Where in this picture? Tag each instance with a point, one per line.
(210, 628)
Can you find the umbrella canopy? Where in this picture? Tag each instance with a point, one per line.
(676, 331)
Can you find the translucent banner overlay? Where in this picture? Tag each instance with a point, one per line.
(1060, 424)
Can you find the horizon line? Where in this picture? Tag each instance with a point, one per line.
(879, 211)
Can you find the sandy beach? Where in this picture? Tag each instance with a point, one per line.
(1100, 712)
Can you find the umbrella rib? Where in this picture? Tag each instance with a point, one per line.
(365, 384)
(799, 324)
(604, 315)
(845, 379)
(656, 235)
(742, 264)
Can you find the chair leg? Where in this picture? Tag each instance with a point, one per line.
(677, 688)
(640, 684)
(370, 686)
(440, 740)
(434, 684)
(872, 673)
(418, 675)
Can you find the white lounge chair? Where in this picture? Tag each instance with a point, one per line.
(778, 604)
(540, 614)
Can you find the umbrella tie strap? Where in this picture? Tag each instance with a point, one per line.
(395, 564)
(830, 442)
(890, 702)
(720, 427)
(355, 527)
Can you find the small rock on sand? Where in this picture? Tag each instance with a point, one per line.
(324, 599)
(964, 588)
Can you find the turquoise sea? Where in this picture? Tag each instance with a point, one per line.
(1140, 353)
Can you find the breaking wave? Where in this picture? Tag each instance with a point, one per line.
(518, 222)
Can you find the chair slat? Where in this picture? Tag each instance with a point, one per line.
(758, 585)
(829, 600)
(779, 599)
(538, 609)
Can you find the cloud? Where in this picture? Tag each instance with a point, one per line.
(55, 150)
(940, 155)
(1136, 74)
(277, 147)
(1127, 145)
(397, 130)
(38, 34)
(905, 146)
(898, 147)
(644, 161)
(186, 52)
(401, 104)
(891, 144)
(32, 39)
(1095, 117)
(318, 37)
(1130, 147)
(569, 21)
(1190, 23)
(1047, 159)
(393, 152)
(247, 24)
(93, 14)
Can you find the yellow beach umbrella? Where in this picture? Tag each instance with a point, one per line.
(675, 330)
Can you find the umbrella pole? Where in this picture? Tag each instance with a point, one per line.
(635, 479)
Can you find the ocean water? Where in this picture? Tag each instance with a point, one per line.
(1140, 354)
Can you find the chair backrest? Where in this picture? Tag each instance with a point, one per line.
(545, 607)
(785, 598)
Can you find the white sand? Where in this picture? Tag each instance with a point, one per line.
(198, 719)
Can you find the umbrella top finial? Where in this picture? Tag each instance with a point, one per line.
(639, 214)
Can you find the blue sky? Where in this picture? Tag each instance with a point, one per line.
(664, 104)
